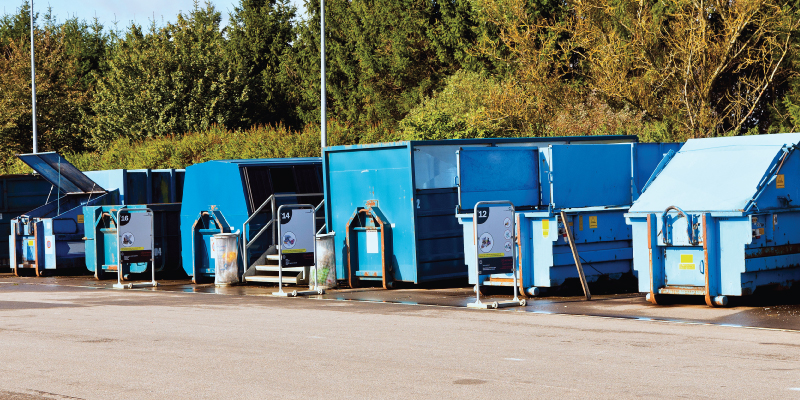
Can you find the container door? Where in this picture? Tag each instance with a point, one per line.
(370, 254)
(682, 244)
(684, 266)
(590, 175)
(498, 173)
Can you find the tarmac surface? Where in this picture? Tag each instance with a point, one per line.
(74, 337)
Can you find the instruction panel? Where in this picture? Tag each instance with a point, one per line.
(495, 239)
(297, 237)
(135, 237)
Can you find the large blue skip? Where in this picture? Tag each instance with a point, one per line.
(722, 219)
(390, 206)
(593, 185)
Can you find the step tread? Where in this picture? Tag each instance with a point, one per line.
(274, 268)
(270, 279)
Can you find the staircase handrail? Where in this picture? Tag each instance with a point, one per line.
(270, 200)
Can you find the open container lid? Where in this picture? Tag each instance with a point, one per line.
(59, 172)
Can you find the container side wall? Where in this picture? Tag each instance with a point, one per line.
(380, 174)
(734, 234)
(210, 186)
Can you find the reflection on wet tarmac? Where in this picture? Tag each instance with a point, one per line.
(773, 311)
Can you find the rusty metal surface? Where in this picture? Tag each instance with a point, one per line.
(772, 251)
(706, 259)
(772, 310)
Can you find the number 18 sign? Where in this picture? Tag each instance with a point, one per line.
(494, 239)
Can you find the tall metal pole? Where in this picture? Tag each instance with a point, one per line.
(323, 117)
(33, 83)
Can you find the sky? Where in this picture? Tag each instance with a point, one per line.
(125, 11)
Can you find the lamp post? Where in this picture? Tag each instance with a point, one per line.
(33, 84)
(323, 117)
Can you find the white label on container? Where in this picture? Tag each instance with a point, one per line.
(372, 242)
(213, 252)
(49, 245)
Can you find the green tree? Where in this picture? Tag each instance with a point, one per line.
(383, 56)
(67, 54)
(169, 80)
(260, 38)
(61, 99)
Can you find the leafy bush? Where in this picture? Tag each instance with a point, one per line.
(215, 143)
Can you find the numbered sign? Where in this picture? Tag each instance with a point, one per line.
(135, 237)
(297, 237)
(494, 239)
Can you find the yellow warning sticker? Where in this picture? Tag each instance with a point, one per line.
(580, 222)
(30, 242)
(593, 222)
(490, 255)
(779, 182)
(290, 251)
(132, 249)
(687, 262)
(545, 227)
(80, 218)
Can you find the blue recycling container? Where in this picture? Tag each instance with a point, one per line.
(51, 237)
(229, 196)
(720, 219)
(390, 206)
(593, 184)
(100, 225)
(18, 194)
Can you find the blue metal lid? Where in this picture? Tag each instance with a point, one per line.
(715, 174)
(59, 172)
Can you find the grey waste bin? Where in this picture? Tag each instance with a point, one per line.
(226, 249)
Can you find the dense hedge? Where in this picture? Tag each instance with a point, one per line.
(213, 144)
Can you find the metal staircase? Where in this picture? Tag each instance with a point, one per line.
(266, 269)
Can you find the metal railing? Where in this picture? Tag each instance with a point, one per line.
(271, 223)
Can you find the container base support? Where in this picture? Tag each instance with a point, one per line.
(295, 293)
(135, 285)
(497, 304)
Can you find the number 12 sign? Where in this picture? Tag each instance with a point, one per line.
(494, 239)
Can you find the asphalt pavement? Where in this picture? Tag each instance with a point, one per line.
(65, 338)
